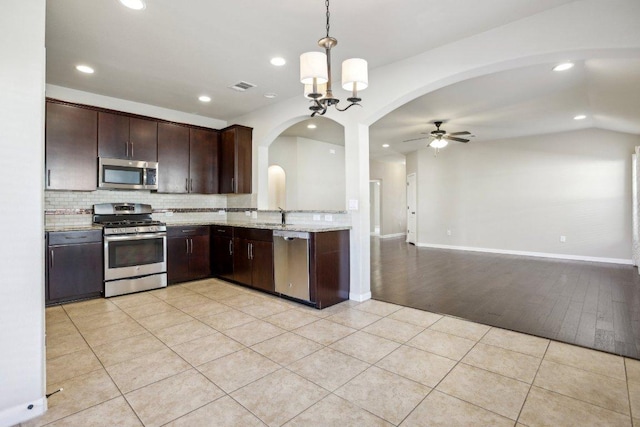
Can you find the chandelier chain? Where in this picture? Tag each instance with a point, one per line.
(326, 3)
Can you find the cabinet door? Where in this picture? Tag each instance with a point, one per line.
(113, 135)
(235, 160)
(262, 265)
(71, 148)
(227, 161)
(243, 160)
(241, 261)
(74, 271)
(222, 256)
(143, 140)
(203, 161)
(177, 259)
(173, 158)
(200, 257)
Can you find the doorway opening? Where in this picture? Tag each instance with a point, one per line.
(277, 188)
(411, 208)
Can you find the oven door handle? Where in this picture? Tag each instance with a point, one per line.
(125, 237)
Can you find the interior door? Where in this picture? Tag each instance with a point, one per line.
(411, 208)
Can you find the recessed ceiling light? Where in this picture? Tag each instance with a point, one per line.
(204, 98)
(311, 126)
(385, 145)
(134, 4)
(278, 61)
(84, 69)
(580, 117)
(270, 95)
(563, 67)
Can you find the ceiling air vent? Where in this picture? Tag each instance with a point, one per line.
(242, 86)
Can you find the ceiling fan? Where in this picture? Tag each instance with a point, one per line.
(441, 138)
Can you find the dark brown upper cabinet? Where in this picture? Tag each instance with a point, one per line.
(129, 138)
(203, 161)
(71, 148)
(187, 159)
(235, 160)
(173, 158)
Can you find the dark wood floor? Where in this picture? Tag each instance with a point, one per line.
(590, 304)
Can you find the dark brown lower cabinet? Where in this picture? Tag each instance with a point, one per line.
(329, 267)
(253, 258)
(74, 266)
(188, 253)
(222, 252)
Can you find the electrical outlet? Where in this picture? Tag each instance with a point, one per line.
(247, 213)
(328, 218)
(168, 213)
(563, 239)
(254, 214)
(221, 212)
(316, 217)
(448, 232)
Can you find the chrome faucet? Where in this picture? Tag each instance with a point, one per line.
(283, 216)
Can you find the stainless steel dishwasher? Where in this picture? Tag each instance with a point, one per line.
(291, 263)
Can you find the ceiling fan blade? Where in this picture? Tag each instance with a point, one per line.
(460, 133)
(453, 138)
(415, 139)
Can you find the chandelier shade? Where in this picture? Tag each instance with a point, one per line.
(313, 65)
(354, 74)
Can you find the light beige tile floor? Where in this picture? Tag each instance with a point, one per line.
(210, 350)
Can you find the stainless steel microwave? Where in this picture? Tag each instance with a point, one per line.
(127, 174)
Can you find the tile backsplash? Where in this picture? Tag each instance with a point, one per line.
(206, 208)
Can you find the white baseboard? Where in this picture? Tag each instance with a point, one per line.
(360, 297)
(388, 236)
(21, 413)
(526, 253)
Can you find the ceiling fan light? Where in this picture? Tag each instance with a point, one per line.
(313, 65)
(439, 143)
(321, 88)
(355, 75)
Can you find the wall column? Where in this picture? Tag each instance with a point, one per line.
(357, 183)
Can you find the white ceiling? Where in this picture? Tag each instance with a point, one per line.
(174, 51)
(522, 102)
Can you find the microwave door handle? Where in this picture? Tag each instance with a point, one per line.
(119, 238)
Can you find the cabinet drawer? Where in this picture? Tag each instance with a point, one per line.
(74, 237)
(254, 234)
(222, 230)
(194, 230)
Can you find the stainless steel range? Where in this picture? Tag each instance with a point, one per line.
(135, 248)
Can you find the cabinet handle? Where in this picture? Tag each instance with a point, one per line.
(186, 241)
(233, 184)
(191, 246)
(251, 246)
(48, 177)
(131, 149)
(230, 247)
(52, 260)
(186, 184)
(248, 250)
(126, 149)
(191, 185)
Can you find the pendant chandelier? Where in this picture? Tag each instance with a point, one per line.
(315, 75)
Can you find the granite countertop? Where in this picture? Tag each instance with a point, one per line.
(310, 228)
(55, 228)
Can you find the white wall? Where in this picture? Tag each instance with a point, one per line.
(393, 196)
(22, 74)
(523, 194)
(315, 173)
